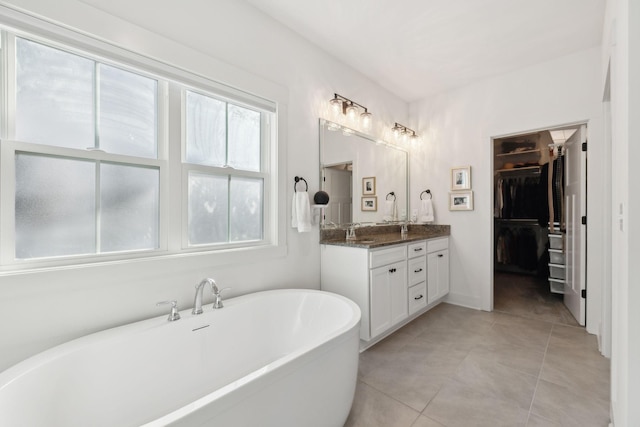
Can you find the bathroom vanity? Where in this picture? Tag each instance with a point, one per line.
(393, 277)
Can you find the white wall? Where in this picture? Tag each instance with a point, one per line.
(227, 41)
(621, 50)
(457, 128)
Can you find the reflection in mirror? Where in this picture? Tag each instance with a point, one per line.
(348, 161)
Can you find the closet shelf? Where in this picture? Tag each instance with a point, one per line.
(526, 168)
(537, 150)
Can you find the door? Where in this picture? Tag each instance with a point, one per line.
(337, 182)
(575, 209)
(437, 275)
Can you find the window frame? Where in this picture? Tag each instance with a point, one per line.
(173, 238)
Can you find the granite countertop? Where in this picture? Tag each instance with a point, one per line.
(380, 236)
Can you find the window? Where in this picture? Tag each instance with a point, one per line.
(86, 160)
(226, 192)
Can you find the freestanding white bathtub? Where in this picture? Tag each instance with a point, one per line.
(285, 358)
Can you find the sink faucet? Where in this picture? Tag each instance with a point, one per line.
(197, 302)
(351, 231)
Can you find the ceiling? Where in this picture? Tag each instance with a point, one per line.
(416, 48)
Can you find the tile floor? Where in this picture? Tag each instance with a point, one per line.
(517, 366)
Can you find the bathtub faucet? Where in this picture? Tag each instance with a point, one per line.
(197, 302)
(217, 295)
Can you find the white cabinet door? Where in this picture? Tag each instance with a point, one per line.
(388, 296)
(437, 275)
(399, 292)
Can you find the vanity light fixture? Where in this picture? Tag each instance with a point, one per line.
(402, 132)
(341, 105)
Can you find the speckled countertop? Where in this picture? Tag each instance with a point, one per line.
(382, 235)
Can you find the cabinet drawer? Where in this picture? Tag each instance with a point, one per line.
(417, 297)
(437, 244)
(386, 256)
(417, 270)
(417, 249)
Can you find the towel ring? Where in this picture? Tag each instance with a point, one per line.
(426, 192)
(297, 179)
(391, 194)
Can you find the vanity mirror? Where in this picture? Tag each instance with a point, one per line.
(367, 181)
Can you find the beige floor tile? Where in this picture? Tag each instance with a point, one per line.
(372, 408)
(538, 421)
(461, 405)
(512, 356)
(530, 334)
(569, 408)
(416, 374)
(492, 378)
(423, 421)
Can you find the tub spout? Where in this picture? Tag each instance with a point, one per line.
(197, 302)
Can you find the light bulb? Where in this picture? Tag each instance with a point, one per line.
(396, 131)
(336, 106)
(365, 120)
(351, 112)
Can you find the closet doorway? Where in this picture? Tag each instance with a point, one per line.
(539, 232)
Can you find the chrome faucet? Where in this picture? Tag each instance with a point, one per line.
(351, 231)
(217, 295)
(197, 302)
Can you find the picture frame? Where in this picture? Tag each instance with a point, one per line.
(461, 201)
(461, 178)
(369, 186)
(369, 203)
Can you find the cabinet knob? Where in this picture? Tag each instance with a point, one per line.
(440, 255)
(418, 297)
(417, 271)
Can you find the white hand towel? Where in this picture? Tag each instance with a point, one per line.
(389, 210)
(426, 210)
(301, 211)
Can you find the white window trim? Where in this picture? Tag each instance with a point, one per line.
(275, 222)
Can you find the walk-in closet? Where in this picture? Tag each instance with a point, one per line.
(534, 207)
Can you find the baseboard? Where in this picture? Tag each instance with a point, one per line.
(463, 300)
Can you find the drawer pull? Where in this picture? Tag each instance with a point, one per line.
(440, 255)
(392, 270)
(417, 271)
(417, 249)
(418, 297)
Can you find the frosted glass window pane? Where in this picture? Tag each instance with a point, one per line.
(205, 130)
(127, 113)
(129, 204)
(55, 206)
(244, 138)
(54, 96)
(208, 209)
(246, 209)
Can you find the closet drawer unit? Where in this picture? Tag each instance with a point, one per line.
(387, 256)
(417, 297)
(417, 270)
(556, 256)
(417, 249)
(556, 286)
(556, 241)
(556, 271)
(437, 244)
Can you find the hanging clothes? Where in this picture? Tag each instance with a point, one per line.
(517, 197)
(557, 187)
(517, 246)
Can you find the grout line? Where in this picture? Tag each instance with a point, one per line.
(544, 358)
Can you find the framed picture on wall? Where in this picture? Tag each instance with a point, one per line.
(461, 201)
(461, 178)
(369, 186)
(369, 203)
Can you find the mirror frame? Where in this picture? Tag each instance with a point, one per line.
(323, 127)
